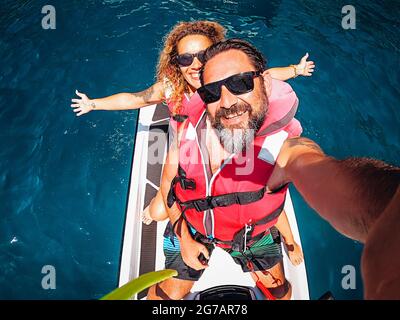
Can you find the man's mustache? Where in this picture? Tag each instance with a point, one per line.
(235, 109)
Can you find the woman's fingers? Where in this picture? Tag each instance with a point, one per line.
(309, 69)
(205, 252)
(83, 96)
(79, 94)
(308, 66)
(80, 105)
(305, 57)
(194, 263)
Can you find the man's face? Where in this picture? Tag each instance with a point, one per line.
(235, 117)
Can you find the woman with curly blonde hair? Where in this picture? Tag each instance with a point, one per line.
(178, 79)
(177, 68)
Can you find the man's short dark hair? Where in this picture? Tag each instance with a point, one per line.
(256, 57)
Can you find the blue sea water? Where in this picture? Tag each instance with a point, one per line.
(64, 180)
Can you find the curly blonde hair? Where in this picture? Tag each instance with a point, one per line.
(168, 69)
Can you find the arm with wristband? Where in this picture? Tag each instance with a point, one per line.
(119, 101)
(303, 68)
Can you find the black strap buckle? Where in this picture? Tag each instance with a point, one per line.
(242, 237)
(187, 184)
(203, 204)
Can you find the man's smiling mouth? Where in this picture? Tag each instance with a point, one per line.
(234, 115)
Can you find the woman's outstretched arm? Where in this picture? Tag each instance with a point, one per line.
(303, 68)
(119, 101)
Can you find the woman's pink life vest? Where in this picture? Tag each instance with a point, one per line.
(192, 108)
(239, 184)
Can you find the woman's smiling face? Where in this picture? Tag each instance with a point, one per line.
(193, 44)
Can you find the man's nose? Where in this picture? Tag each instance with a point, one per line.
(228, 99)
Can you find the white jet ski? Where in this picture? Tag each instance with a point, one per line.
(142, 250)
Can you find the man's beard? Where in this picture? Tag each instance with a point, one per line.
(239, 137)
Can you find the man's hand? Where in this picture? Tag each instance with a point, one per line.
(191, 250)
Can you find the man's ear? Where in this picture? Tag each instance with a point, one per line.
(267, 82)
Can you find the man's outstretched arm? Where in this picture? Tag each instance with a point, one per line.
(350, 194)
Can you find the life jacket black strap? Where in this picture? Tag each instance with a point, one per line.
(186, 184)
(200, 237)
(224, 200)
(243, 236)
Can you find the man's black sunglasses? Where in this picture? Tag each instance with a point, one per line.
(237, 84)
(186, 59)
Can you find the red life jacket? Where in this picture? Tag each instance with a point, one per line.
(227, 203)
(191, 109)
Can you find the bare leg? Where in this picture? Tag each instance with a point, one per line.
(146, 217)
(274, 278)
(170, 289)
(155, 210)
(294, 250)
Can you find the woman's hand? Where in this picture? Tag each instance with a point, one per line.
(191, 250)
(305, 68)
(82, 105)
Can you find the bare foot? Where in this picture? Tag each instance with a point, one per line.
(146, 218)
(295, 254)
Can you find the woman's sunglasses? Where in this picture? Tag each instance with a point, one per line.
(186, 59)
(237, 84)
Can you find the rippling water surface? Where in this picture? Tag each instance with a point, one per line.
(64, 180)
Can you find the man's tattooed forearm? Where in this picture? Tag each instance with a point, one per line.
(301, 141)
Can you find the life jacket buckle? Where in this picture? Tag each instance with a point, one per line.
(242, 237)
(203, 204)
(187, 184)
(248, 228)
